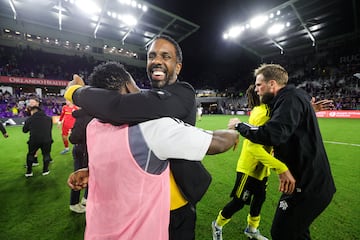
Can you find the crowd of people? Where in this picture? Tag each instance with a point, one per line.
(327, 73)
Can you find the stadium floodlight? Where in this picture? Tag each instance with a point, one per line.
(129, 20)
(88, 6)
(235, 31)
(275, 28)
(258, 21)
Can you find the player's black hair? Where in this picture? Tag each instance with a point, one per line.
(109, 75)
(34, 97)
(178, 51)
(252, 97)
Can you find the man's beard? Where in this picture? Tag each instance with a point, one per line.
(158, 84)
(267, 98)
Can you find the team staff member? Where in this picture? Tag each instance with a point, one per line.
(40, 127)
(253, 169)
(31, 102)
(169, 97)
(294, 132)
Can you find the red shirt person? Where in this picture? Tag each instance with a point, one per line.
(67, 120)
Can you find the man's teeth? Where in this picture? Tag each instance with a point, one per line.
(158, 73)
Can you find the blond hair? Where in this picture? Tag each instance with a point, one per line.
(272, 72)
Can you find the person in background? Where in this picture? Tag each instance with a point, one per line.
(253, 169)
(294, 133)
(199, 112)
(67, 121)
(40, 127)
(80, 155)
(3, 130)
(33, 101)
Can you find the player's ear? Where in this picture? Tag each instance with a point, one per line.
(178, 68)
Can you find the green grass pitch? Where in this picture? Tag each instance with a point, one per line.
(38, 208)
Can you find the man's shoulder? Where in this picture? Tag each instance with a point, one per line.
(180, 85)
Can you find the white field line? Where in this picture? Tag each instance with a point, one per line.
(342, 143)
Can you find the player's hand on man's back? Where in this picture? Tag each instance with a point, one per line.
(77, 80)
(322, 105)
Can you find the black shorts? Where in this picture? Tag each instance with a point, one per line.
(246, 186)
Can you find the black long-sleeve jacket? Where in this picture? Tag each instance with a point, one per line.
(294, 132)
(40, 127)
(78, 132)
(175, 100)
(78, 136)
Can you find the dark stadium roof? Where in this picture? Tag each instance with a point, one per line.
(311, 22)
(152, 22)
(322, 20)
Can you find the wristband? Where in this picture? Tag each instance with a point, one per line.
(70, 91)
(237, 127)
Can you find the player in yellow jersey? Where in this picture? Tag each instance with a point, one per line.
(253, 169)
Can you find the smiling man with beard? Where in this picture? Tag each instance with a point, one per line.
(168, 97)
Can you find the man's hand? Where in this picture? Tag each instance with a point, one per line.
(59, 124)
(79, 179)
(131, 85)
(322, 105)
(287, 182)
(233, 122)
(77, 80)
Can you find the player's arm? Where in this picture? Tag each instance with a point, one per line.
(286, 179)
(223, 140)
(281, 126)
(259, 153)
(171, 138)
(137, 107)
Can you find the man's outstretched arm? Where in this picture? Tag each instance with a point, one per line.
(222, 141)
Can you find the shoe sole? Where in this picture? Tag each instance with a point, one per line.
(45, 173)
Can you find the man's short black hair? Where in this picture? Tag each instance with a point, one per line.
(109, 75)
(178, 50)
(34, 97)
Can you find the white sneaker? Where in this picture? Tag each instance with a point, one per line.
(66, 150)
(254, 235)
(216, 232)
(83, 201)
(78, 208)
